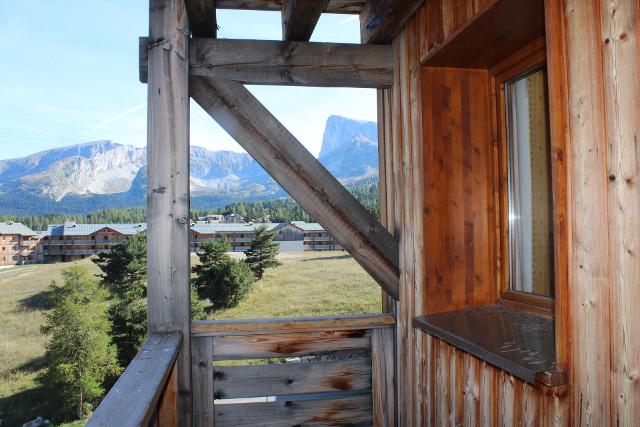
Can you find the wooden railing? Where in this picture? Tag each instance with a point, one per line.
(146, 393)
(310, 371)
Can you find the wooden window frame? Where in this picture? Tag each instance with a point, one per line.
(518, 64)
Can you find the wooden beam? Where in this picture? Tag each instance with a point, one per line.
(168, 262)
(380, 20)
(292, 63)
(302, 176)
(291, 325)
(300, 17)
(143, 59)
(202, 18)
(335, 6)
(134, 398)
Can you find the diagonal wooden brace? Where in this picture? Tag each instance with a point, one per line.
(302, 176)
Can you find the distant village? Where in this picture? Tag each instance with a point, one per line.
(72, 241)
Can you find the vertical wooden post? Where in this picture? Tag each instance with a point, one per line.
(202, 363)
(383, 377)
(168, 184)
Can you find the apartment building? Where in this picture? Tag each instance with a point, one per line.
(18, 244)
(71, 241)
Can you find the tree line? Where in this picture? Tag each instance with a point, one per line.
(98, 323)
(278, 210)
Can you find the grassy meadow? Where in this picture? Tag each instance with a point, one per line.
(306, 284)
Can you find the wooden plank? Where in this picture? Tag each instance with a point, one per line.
(202, 379)
(168, 261)
(267, 62)
(143, 59)
(334, 6)
(589, 271)
(383, 365)
(279, 379)
(167, 411)
(202, 18)
(620, 30)
(381, 20)
(299, 18)
(287, 325)
(302, 176)
(344, 411)
(133, 399)
(294, 344)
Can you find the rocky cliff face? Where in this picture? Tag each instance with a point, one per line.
(104, 174)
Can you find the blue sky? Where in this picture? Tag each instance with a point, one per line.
(69, 74)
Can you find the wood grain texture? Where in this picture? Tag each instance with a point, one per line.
(383, 377)
(202, 18)
(168, 261)
(381, 20)
(287, 325)
(334, 6)
(302, 176)
(167, 412)
(202, 381)
(268, 62)
(299, 18)
(287, 345)
(458, 142)
(619, 41)
(344, 411)
(292, 378)
(134, 398)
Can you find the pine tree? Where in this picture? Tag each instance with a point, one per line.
(125, 265)
(79, 356)
(263, 252)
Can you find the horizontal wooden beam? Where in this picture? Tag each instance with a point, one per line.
(291, 165)
(266, 62)
(290, 325)
(202, 17)
(335, 6)
(299, 18)
(380, 20)
(134, 397)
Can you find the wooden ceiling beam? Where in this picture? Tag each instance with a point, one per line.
(300, 17)
(267, 62)
(380, 20)
(291, 165)
(334, 6)
(202, 18)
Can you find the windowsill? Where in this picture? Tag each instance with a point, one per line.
(519, 343)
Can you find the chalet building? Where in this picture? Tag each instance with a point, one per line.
(233, 219)
(293, 236)
(71, 241)
(508, 249)
(18, 244)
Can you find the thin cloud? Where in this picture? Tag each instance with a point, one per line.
(117, 117)
(345, 21)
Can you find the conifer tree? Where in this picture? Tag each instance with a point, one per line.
(263, 252)
(79, 356)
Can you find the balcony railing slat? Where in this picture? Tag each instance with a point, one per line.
(134, 398)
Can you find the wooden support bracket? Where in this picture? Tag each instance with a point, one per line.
(299, 18)
(266, 62)
(302, 176)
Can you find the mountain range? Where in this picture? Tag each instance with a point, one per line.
(103, 174)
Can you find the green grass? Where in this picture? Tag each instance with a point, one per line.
(306, 284)
(310, 284)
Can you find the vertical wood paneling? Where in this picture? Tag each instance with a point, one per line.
(589, 269)
(383, 377)
(202, 376)
(620, 22)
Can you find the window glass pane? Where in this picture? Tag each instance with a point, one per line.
(529, 180)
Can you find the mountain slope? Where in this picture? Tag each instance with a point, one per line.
(103, 174)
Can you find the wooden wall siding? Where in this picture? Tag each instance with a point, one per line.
(458, 187)
(595, 94)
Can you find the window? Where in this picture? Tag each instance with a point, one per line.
(529, 196)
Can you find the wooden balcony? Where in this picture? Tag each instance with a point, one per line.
(322, 370)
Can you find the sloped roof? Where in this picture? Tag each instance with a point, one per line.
(16, 228)
(230, 228)
(73, 229)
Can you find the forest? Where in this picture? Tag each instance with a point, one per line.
(278, 210)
